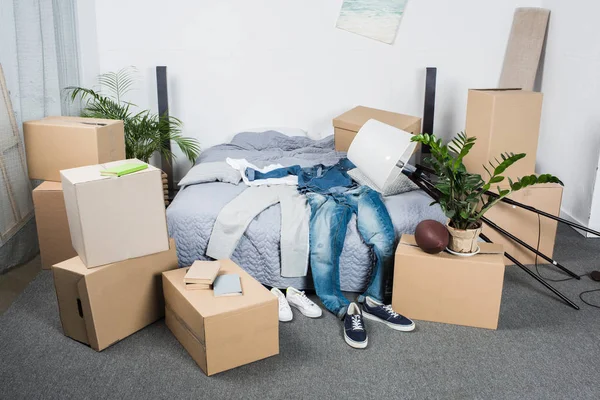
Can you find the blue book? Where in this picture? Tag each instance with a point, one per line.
(227, 285)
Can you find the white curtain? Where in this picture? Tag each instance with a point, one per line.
(39, 57)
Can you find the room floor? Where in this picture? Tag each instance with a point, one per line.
(14, 281)
(542, 349)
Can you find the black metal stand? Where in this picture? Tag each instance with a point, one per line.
(516, 239)
(535, 276)
(530, 248)
(419, 181)
(528, 208)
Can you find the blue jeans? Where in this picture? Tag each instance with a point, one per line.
(329, 219)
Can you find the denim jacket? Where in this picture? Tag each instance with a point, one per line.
(316, 179)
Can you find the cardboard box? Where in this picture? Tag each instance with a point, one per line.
(524, 224)
(347, 125)
(222, 333)
(504, 121)
(114, 219)
(52, 224)
(447, 288)
(56, 143)
(104, 305)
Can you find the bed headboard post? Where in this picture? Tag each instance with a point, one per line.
(163, 110)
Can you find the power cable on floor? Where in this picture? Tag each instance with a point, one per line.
(562, 279)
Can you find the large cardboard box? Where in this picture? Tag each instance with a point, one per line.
(222, 333)
(347, 125)
(447, 288)
(504, 121)
(525, 224)
(114, 219)
(56, 143)
(52, 224)
(104, 305)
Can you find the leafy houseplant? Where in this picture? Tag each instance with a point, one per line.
(462, 194)
(145, 132)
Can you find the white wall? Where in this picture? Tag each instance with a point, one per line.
(239, 63)
(569, 144)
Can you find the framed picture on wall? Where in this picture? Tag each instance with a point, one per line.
(375, 19)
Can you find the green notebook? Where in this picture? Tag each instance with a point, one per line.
(123, 169)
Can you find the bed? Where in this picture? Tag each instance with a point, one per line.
(192, 213)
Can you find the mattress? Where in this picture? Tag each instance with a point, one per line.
(192, 213)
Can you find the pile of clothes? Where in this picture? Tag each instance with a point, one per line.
(317, 204)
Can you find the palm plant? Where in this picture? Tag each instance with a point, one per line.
(145, 132)
(462, 194)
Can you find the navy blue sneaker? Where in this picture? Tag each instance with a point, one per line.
(376, 311)
(355, 333)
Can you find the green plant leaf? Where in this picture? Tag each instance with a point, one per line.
(496, 179)
(145, 133)
(502, 166)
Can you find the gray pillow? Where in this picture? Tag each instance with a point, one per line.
(401, 184)
(211, 172)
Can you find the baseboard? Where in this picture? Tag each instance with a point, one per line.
(569, 217)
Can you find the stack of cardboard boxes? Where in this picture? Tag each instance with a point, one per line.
(106, 240)
(508, 120)
(56, 143)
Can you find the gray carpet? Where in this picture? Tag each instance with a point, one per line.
(542, 350)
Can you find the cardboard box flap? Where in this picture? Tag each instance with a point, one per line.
(498, 90)
(48, 186)
(354, 119)
(91, 173)
(486, 248)
(193, 345)
(80, 122)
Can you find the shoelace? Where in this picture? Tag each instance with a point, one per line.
(357, 323)
(390, 311)
(305, 299)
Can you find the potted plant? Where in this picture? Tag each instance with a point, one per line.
(145, 132)
(462, 194)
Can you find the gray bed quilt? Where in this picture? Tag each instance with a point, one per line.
(192, 214)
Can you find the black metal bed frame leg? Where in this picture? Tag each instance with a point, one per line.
(421, 183)
(535, 276)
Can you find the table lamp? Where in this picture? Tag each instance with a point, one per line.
(381, 151)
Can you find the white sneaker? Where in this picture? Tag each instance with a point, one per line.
(285, 312)
(305, 305)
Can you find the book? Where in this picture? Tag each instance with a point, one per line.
(227, 285)
(202, 272)
(197, 286)
(123, 169)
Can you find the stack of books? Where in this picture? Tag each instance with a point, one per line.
(201, 275)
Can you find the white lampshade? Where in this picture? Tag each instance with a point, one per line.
(380, 151)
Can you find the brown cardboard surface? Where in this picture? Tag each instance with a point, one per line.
(222, 333)
(503, 121)
(103, 305)
(56, 143)
(525, 225)
(114, 219)
(446, 288)
(349, 123)
(52, 224)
